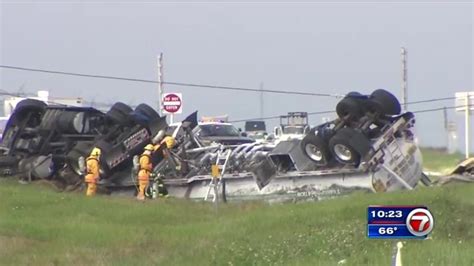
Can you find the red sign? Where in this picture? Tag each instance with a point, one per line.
(172, 103)
(420, 222)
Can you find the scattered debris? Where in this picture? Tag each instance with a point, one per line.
(463, 172)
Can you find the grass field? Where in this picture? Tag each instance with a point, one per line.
(39, 226)
(437, 160)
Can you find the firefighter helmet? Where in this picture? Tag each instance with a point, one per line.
(95, 152)
(149, 147)
(170, 142)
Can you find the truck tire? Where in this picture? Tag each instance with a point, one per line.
(31, 104)
(147, 110)
(316, 149)
(349, 109)
(120, 113)
(385, 102)
(349, 145)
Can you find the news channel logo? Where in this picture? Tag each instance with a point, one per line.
(399, 222)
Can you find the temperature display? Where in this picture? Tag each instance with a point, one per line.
(399, 222)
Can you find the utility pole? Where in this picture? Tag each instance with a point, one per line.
(261, 99)
(445, 116)
(466, 114)
(160, 84)
(404, 79)
(465, 103)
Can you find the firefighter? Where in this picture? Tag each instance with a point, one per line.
(92, 167)
(144, 171)
(168, 143)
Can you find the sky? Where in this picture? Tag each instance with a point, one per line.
(325, 47)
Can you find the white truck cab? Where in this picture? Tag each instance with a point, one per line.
(213, 131)
(294, 125)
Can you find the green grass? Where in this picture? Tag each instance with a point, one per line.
(39, 226)
(438, 160)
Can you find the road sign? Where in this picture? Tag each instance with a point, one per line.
(172, 103)
(420, 222)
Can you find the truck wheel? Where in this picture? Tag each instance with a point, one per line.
(385, 102)
(120, 113)
(146, 110)
(349, 109)
(31, 104)
(316, 149)
(349, 145)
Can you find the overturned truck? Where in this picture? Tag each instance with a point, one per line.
(371, 145)
(43, 141)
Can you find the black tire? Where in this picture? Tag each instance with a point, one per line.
(316, 149)
(120, 113)
(349, 109)
(147, 110)
(31, 104)
(348, 146)
(385, 102)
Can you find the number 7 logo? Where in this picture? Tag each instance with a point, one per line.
(420, 222)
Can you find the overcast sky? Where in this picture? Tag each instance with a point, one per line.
(323, 48)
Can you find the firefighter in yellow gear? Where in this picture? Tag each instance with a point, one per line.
(168, 143)
(144, 171)
(92, 167)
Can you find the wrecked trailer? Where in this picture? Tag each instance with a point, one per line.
(393, 164)
(43, 141)
(370, 146)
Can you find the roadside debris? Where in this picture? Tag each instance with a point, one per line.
(463, 172)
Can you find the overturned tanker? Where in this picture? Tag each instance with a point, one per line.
(370, 146)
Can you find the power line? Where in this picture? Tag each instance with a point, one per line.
(331, 112)
(184, 84)
(211, 87)
(438, 109)
(431, 100)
